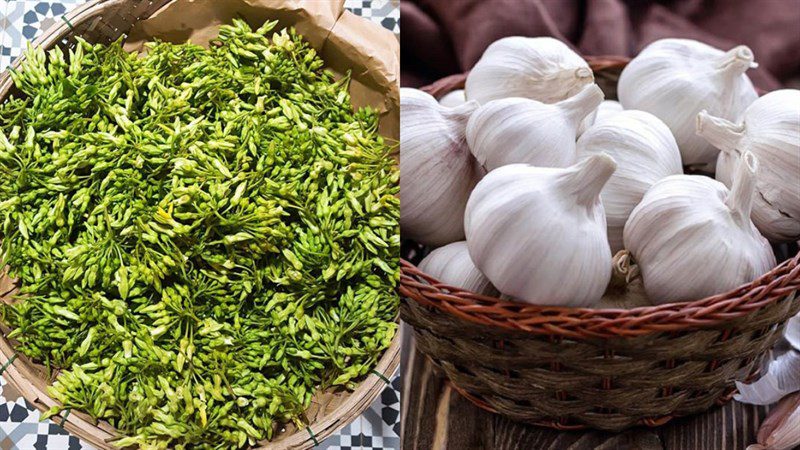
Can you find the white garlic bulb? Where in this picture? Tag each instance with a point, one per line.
(645, 152)
(453, 98)
(781, 378)
(693, 238)
(771, 130)
(674, 79)
(519, 130)
(452, 265)
(606, 110)
(539, 234)
(541, 68)
(437, 171)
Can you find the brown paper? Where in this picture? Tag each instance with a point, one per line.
(8, 287)
(343, 40)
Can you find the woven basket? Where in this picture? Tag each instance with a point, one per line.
(105, 21)
(609, 369)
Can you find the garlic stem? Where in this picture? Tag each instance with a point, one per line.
(581, 104)
(586, 179)
(723, 134)
(740, 199)
(584, 73)
(737, 60)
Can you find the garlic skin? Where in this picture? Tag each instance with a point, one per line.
(781, 428)
(645, 152)
(674, 79)
(453, 98)
(452, 265)
(540, 68)
(771, 131)
(606, 110)
(792, 332)
(519, 130)
(692, 238)
(539, 234)
(781, 378)
(437, 171)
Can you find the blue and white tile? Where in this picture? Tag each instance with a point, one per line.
(21, 21)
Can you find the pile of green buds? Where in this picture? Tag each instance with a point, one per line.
(204, 238)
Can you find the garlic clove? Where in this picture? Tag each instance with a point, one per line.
(686, 221)
(437, 171)
(645, 152)
(519, 130)
(541, 68)
(674, 79)
(539, 235)
(781, 378)
(770, 129)
(781, 428)
(453, 98)
(452, 265)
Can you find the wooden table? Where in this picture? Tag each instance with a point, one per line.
(435, 417)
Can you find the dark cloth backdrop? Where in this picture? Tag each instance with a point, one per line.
(443, 37)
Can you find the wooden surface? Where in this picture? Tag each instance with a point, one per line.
(435, 417)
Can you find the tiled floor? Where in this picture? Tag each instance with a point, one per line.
(20, 427)
(22, 20)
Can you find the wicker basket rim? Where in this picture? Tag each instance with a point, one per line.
(717, 310)
(709, 312)
(27, 377)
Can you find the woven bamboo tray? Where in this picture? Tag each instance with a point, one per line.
(608, 369)
(105, 21)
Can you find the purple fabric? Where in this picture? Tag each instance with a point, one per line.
(443, 37)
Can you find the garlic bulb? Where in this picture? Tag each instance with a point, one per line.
(519, 130)
(782, 377)
(645, 152)
(539, 234)
(781, 428)
(437, 171)
(771, 131)
(541, 68)
(606, 110)
(693, 238)
(451, 265)
(453, 98)
(674, 79)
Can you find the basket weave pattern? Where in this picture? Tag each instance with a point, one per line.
(608, 369)
(105, 21)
